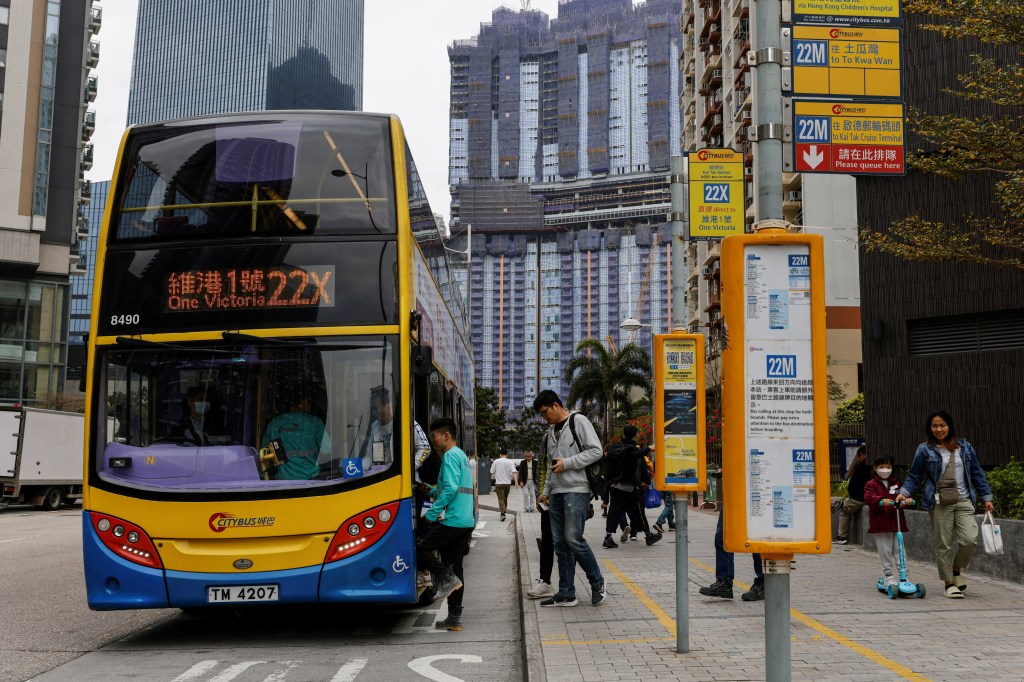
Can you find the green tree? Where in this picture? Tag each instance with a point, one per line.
(961, 145)
(836, 390)
(851, 411)
(602, 378)
(490, 422)
(526, 432)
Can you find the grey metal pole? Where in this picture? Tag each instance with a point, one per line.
(682, 573)
(678, 194)
(778, 660)
(677, 187)
(768, 108)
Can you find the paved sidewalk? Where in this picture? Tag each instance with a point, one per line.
(842, 628)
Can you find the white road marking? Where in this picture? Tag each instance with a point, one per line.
(349, 671)
(27, 537)
(280, 675)
(423, 666)
(234, 671)
(196, 671)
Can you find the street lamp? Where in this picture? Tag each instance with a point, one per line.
(631, 324)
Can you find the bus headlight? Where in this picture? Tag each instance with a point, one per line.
(118, 531)
(384, 515)
(353, 529)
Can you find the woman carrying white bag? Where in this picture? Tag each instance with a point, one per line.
(991, 538)
(947, 472)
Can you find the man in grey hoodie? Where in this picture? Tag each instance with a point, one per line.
(571, 444)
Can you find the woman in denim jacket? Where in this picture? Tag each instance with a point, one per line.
(953, 520)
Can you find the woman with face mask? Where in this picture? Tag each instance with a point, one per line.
(880, 497)
(947, 472)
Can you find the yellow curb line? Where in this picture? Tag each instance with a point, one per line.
(878, 658)
(667, 622)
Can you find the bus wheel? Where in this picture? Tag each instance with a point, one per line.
(53, 498)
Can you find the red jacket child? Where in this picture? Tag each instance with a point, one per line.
(883, 519)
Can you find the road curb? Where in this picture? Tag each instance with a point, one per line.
(533, 649)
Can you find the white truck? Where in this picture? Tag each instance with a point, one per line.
(40, 457)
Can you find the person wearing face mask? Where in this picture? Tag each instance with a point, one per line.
(880, 497)
(192, 425)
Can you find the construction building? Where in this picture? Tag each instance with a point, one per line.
(47, 52)
(561, 134)
(717, 111)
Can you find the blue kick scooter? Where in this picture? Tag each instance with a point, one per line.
(904, 588)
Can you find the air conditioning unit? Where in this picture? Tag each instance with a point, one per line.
(714, 28)
(716, 265)
(705, 272)
(793, 196)
(716, 73)
(748, 171)
(716, 120)
(703, 42)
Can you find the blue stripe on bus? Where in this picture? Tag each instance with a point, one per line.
(115, 583)
(386, 572)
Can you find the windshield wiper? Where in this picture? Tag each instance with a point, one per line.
(239, 336)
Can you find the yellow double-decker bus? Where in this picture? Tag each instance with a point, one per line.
(274, 307)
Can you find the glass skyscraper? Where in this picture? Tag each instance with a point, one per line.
(195, 57)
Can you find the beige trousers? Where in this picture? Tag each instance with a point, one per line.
(953, 522)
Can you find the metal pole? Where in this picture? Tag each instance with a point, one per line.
(678, 194)
(682, 504)
(778, 660)
(768, 108)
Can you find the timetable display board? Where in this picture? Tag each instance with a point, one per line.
(679, 412)
(775, 417)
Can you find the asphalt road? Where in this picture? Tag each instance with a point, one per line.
(40, 568)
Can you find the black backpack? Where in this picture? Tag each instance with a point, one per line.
(594, 478)
(614, 462)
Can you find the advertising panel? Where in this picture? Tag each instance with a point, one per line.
(679, 416)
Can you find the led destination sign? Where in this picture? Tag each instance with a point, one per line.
(249, 289)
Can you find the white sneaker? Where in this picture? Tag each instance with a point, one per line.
(540, 590)
(625, 535)
(891, 580)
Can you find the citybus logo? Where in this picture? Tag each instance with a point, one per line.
(843, 109)
(710, 154)
(220, 522)
(845, 33)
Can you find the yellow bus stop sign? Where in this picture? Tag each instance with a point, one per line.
(847, 61)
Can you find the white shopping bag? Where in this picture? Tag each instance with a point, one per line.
(990, 535)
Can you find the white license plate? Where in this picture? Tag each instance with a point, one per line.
(241, 593)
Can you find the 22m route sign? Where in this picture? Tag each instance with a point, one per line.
(857, 138)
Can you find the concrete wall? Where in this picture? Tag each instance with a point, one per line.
(917, 542)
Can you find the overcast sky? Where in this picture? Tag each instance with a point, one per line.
(405, 72)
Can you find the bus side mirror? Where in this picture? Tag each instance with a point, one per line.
(422, 360)
(85, 364)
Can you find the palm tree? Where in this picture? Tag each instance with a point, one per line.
(603, 378)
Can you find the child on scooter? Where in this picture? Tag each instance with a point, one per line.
(880, 497)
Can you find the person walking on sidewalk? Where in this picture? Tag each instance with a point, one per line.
(572, 444)
(668, 513)
(883, 515)
(947, 472)
(448, 537)
(725, 570)
(542, 588)
(624, 462)
(503, 470)
(858, 475)
(526, 479)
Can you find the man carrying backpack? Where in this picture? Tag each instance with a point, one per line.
(571, 445)
(625, 468)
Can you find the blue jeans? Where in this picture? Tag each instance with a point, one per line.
(669, 512)
(568, 512)
(724, 568)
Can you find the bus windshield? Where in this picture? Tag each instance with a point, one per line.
(312, 174)
(240, 415)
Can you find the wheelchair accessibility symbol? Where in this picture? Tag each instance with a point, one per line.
(399, 566)
(351, 469)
